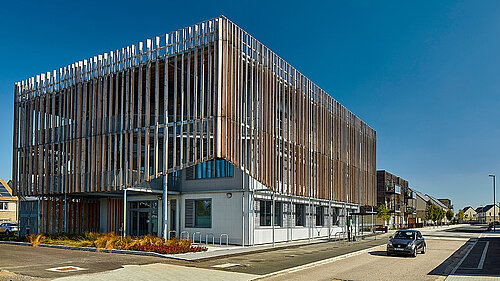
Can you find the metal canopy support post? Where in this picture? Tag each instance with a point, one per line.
(124, 212)
(38, 216)
(165, 208)
(329, 219)
(243, 218)
(65, 213)
(18, 215)
(290, 220)
(309, 219)
(272, 216)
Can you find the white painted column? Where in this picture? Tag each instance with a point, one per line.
(124, 212)
(165, 207)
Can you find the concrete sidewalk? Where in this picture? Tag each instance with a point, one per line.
(160, 271)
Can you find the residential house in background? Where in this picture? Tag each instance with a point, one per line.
(447, 203)
(8, 203)
(470, 214)
(488, 213)
(441, 205)
(421, 207)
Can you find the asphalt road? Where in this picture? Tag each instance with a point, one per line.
(35, 262)
(376, 265)
(458, 251)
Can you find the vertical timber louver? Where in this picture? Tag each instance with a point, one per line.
(207, 91)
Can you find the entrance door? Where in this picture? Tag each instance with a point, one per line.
(143, 223)
(144, 218)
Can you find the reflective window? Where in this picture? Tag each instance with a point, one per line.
(300, 215)
(217, 168)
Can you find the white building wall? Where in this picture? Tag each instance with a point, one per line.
(227, 216)
(236, 212)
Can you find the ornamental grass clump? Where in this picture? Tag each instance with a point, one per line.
(111, 241)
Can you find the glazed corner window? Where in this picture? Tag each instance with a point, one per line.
(300, 215)
(319, 216)
(217, 168)
(198, 213)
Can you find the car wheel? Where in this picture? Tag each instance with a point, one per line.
(389, 253)
(423, 249)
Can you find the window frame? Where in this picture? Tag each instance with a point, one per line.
(191, 216)
(264, 215)
(319, 215)
(302, 214)
(195, 217)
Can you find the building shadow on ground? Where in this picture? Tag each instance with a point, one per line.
(477, 257)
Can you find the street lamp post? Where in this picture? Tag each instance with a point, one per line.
(494, 204)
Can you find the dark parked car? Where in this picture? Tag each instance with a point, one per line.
(406, 242)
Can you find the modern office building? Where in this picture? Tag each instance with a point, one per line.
(244, 146)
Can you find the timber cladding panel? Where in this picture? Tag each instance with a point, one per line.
(207, 91)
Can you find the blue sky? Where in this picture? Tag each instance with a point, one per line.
(424, 74)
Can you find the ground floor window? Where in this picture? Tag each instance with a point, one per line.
(300, 214)
(265, 213)
(319, 216)
(198, 213)
(278, 213)
(4, 205)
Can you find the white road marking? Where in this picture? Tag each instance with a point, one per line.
(463, 258)
(483, 256)
(225, 265)
(66, 269)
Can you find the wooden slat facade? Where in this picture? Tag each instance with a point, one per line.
(207, 91)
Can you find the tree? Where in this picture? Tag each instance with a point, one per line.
(383, 213)
(461, 215)
(430, 211)
(449, 215)
(440, 214)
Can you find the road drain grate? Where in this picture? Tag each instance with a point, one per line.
(65, 269)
